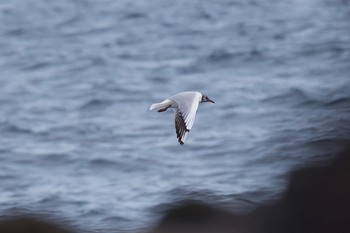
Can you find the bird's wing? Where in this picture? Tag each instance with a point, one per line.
(180, 126)
(185, 113)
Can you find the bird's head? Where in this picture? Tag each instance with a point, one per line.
(205, 98)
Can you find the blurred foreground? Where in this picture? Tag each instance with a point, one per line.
(316, 200)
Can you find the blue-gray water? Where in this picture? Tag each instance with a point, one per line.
(77, 139)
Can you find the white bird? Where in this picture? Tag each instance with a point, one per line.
(185, 105)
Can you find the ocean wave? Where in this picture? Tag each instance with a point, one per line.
(21, 129)
(96, 104)
(294, 97)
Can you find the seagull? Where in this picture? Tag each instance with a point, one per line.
(185, 105)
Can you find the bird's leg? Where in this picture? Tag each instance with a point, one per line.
(164, 109)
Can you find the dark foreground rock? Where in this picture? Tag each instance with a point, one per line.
(30, 225)
(317, 200)
(192, 216)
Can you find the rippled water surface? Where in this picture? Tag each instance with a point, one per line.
(77, 139)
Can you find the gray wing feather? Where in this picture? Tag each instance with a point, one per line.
(188, 104)
(180, 126)
(185, 113)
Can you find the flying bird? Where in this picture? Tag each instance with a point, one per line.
(185, 105)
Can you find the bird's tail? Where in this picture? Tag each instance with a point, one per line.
(161, 105)
(155, 106)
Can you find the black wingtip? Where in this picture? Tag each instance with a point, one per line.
(181, 143)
